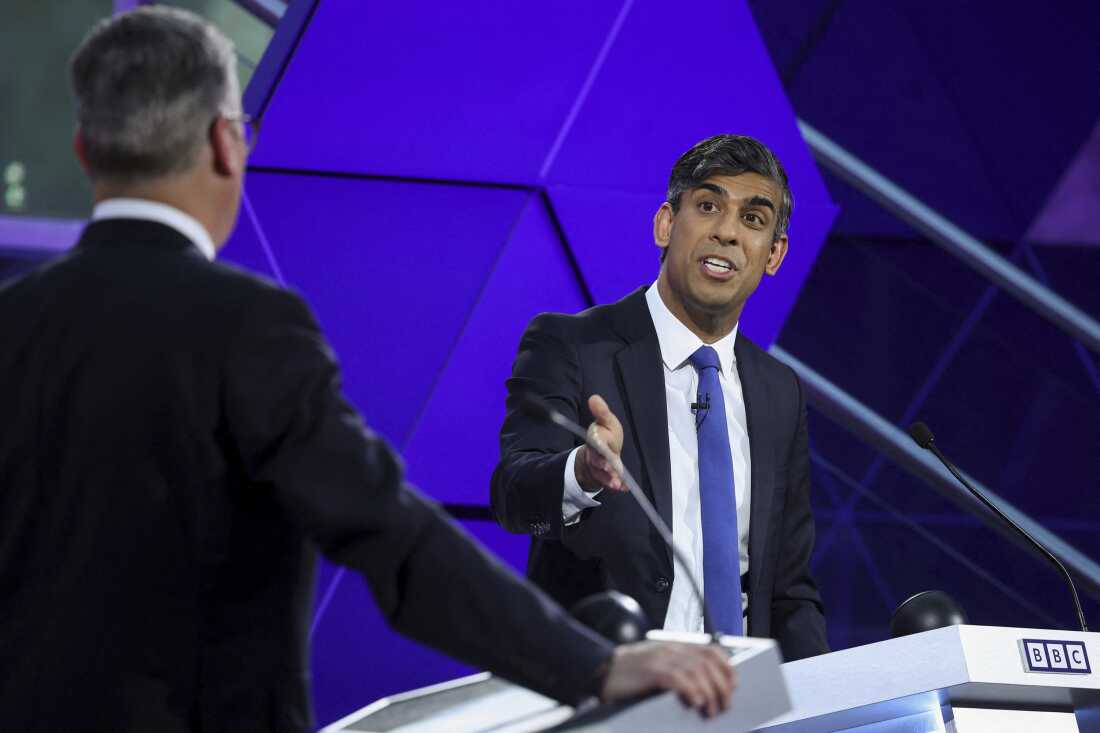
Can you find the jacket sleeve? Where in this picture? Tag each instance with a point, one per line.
(528, 483)
(797, 613)
(343, 488)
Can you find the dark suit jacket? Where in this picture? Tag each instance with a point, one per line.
(613, 351)
(174, 445)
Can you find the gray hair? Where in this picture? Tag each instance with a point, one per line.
(730, 155)
(148, 85)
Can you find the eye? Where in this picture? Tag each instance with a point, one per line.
(754, 218)
(708, 207)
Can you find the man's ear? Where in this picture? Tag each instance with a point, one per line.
(662, 225)
(224, 142)
(776, 255)
(81, 151)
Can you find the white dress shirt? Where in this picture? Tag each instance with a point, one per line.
(188, 226)
(677, 344)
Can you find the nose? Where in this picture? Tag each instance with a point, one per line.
(727, 229)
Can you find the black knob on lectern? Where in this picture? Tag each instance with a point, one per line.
(613, 615)
(927, 610)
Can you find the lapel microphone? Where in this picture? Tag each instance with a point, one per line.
(702, 403)
(701, 408)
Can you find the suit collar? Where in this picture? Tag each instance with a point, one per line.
(135, 233)
(157, 211)
(640, 372)
(678, 342)
(763, 484)
(630, 319)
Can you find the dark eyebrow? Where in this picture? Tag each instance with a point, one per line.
(762, 201)
(754, 201)
(715, 188)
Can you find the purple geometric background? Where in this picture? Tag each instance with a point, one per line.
(976, 108)
(430, 179)
(1071, 213)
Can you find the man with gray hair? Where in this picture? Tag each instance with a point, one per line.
(175, 444)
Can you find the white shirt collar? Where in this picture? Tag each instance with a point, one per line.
(676, 340)
(188, 226)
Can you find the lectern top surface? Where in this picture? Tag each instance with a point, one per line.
(986, 664)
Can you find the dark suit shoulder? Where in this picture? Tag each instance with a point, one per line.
(257, 290)
(154, 264)
(145, 300)
(223, 290)
(770, 382)
(597, 322)
(26, 282)
(778, 373)
(239, 277)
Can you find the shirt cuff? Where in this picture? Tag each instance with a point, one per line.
(574, 499)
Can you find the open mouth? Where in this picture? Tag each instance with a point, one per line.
(718, 265)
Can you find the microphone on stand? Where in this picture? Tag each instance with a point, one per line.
(539, 409)
(923, 437)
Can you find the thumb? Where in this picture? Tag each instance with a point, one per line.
(607, 420)
(599, 409)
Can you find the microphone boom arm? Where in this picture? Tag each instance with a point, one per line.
(924, 438)
(636, 491)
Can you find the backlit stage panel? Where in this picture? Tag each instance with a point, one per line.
(392, 271)
(459, 425)
(471, 91)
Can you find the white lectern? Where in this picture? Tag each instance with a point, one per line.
(482, 703)
(959, 679)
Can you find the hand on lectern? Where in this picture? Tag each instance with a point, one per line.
(592, 470)
(701, 675)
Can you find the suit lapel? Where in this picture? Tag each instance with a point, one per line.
(761, 497)
(643, 386)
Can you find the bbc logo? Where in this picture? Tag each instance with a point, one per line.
(1063, 657)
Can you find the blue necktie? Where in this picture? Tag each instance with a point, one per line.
(718, 503)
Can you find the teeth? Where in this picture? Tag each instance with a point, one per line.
(717, 265)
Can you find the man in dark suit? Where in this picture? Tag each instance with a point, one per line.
(712, 426)
(175, 444)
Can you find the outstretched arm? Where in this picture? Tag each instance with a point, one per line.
(343, 488)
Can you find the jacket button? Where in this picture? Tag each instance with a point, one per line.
(662, 585)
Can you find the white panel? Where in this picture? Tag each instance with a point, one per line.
(994, 654)
(982, 720)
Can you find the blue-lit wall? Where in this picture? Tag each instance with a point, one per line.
(989, 115)
(432, 176)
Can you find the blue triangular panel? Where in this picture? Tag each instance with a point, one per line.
(468, 91)
(611, 235)
(392, 270)
(657, 94)
(455, 444)
(245, 247)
